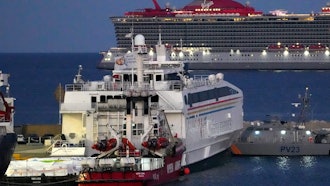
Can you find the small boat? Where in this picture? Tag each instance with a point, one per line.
(8, 138)
(284, 138)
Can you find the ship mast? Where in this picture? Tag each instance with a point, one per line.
(140, 50)
(305, 108)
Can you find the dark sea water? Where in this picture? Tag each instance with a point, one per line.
(263, 171)
(34, 78)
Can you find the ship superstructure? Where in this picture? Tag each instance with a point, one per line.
(204, 111)
(8, 138)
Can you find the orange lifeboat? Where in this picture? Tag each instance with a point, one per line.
(326, 9)
(156, 143)
(275, 48)
(317, 47)
(106, 145)
(296, 47)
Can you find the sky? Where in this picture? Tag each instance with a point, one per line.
(84, 25)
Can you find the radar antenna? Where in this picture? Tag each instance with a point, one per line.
(304, 105)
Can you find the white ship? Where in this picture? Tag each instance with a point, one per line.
(8, 137)
(225, 34)
(205, 111)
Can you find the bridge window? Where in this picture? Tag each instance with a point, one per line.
(158, 77)
(215, 93)
(137, 128)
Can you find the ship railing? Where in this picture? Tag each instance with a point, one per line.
(151, 163)
(163, 65)
(59, 143)
(145, 86)
(201, 80)
(132, 162)
(66, 143)
(125, 86)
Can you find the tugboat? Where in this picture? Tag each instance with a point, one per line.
(148, 153)
(8, 138)
(281, 138)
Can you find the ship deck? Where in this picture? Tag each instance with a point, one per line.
(248, 66)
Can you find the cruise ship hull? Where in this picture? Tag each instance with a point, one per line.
(235, 60)
(7, 147)
(246, 66)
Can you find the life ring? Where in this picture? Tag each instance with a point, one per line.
(64, 145)
(120, 61)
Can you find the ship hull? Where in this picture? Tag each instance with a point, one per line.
(261, 66)
(246, 65)
(281, 149)
(214, 147)
(171, 171)
(7, 147)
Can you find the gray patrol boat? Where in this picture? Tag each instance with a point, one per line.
(282, 138)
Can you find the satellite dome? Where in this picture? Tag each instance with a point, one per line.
(139, 40)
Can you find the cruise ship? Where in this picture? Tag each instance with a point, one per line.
(138, 97)
(226, 34)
